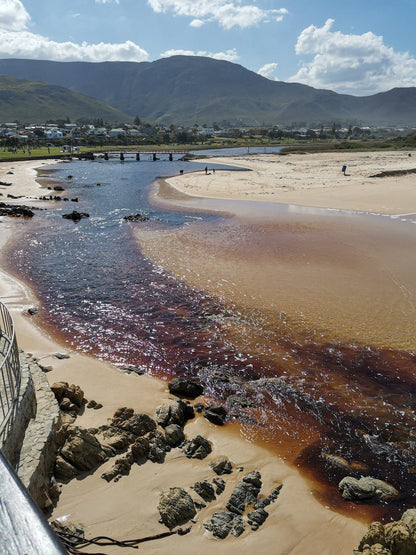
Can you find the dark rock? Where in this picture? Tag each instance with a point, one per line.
(63, 470)
(174, 435)
(45, 368)
(61, 356)
(140, 448)
(197, 448)
(114, 440)
(136, 424)
(222, 466)
(220, 485)
(136, 370)
(199, 407)
(174, 412)
(34, 310)
(257, 518)
(205, 490)
(121, 467)
(216, 414)
(220, 524)
(261, 503)
(245, 493)
(367, 489)
(185, 388)
(68, 528)
(75, 216)
(136, 218)
(176, 507)
(238, 527)
(91, 404)
(58, 188)
(158, 447)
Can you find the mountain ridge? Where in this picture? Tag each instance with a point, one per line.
(192, 89)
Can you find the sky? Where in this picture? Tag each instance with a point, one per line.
(357, 47)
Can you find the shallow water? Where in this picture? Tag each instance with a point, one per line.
(301, 321)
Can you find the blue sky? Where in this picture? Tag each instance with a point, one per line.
(355, 47)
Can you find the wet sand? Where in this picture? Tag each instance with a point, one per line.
(298, 524)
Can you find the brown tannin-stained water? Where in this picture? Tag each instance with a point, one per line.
(300, 321)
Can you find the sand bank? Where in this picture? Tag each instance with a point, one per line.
(297, 524)
(312, 180)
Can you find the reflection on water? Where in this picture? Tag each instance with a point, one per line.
(301, 324)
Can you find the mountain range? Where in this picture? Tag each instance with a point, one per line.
(191, 89)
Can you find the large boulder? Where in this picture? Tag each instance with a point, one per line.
(367, 489)
(205, 490)
(174, 412)
(374, 535)
(409, 518)
(185, 388)
(70, 397)
(176, 507)
(81, 452)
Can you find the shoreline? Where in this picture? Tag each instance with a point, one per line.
(290, 517)
(317, 182)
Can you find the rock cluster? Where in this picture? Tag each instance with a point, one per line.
(244, 496)
(16, 211)
(136, 218)
(185, 388)
(394, 538)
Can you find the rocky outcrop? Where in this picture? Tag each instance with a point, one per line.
(185, 388)
(367, 489)
(176, 507)
(197, 448)
(244, 496)
(70, 397)
(222, 466)
(394, 538)
(80, 453)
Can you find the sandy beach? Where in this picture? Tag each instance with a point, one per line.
(312, 180)
(298, 523)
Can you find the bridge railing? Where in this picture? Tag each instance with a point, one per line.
(10, 375)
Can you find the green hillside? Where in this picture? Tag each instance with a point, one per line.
(36, 102)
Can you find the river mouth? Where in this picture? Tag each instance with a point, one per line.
(301, 323)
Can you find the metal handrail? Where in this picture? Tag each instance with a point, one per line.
(10, 374)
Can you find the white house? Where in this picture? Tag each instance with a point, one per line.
(116, 132)
(54, 133)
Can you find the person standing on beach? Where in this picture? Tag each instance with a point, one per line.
(206, 170)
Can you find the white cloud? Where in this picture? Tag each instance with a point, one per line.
(267, 71)
(106, 1)
(24, 44)
(228, 55)
(353, 64)
(18, 42)
(13, 15)
(227, 13)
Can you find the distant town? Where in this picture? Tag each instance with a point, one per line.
(70, 136)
